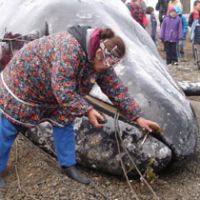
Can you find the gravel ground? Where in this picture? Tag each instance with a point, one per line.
(32, 174)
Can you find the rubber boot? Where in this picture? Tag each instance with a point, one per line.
(74, 174)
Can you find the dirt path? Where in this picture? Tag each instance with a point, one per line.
(41, 179)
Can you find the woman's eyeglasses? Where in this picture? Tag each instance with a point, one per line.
(110, 57)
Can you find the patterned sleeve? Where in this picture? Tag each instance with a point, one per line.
(113, 87)
(64, 83)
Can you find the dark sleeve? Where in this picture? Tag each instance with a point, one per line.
(113, 87)
(64, 82)
(158, 6)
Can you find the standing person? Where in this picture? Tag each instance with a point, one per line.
(137, 12)
(195, 38)
(162, 6)
(152, 23)
(181, 43)
(48, 79)
(171, 33)
(195, 13)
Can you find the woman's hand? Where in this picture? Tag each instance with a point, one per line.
(95, 118)
(147, 125)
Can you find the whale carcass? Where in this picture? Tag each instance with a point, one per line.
(190, 88)
(142, 71)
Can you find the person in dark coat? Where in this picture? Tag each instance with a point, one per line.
(181, 43)
(194, 15)
(195, 38)
(152, 23)
(162, 6)
(47, 81)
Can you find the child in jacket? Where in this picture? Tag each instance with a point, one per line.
(181, 43)
(195, 38)
(195, 32)
(170, 34)
(152, 23)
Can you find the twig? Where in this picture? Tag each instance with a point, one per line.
(134, 164)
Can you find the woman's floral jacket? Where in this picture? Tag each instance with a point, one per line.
(48, 79)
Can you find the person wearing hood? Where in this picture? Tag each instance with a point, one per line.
(48, 79)
(152, 23)
(181, 43)
(170, 34)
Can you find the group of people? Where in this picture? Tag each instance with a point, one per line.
(173, 32)
(174, 29)
(173, 25)
(144, 16)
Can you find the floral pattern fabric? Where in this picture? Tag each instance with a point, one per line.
(52, 75)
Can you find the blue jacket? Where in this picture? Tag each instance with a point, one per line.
(171, 29)
(184, 26)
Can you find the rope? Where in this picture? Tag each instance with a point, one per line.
(119, 151)
(142, 179)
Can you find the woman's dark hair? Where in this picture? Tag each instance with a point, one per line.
(106, 33)
(112, 40)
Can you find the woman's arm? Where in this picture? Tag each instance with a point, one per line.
(112, 86)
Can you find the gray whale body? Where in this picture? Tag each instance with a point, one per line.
(142, 71)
